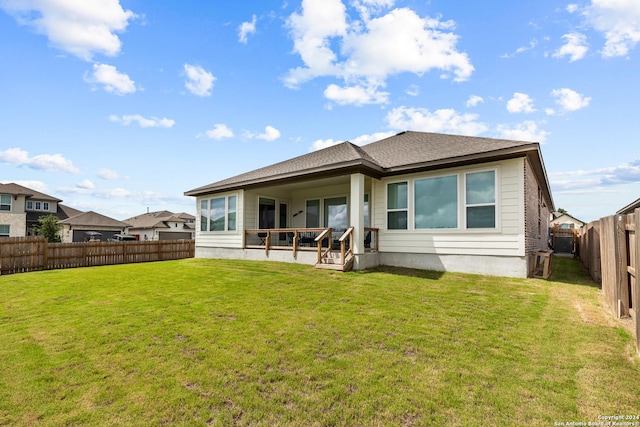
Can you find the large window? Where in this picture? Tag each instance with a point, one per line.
(436, 202)
(4, 230)
(5, 202)
(397, 207)
(335, 213)
(480, 199)
(218, 214)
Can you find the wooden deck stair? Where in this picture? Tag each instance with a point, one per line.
(334, 263)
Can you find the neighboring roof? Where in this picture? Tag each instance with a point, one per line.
(158, 219)
(19, 190)
(560, 216)
(402, 153)
(629, 208)
(93, 219)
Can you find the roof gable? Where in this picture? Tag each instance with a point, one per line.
(18, 190)
(93, 219)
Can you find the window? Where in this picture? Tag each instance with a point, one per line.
(480, 197)
(436, 202)
(5, 202)
(231, 212)
(313, 214)
(367, 220)
(38, 206)
(218, 214)
(204, 214)
(45, 206)
(397, 195)
(335, 213)
(30, 205)
(4, 230)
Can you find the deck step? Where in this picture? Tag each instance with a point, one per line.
(334, 264)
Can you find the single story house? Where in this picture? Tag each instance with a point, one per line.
(416, 199)
(162, 225)
(90, 226)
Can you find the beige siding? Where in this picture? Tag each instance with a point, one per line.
(506, 240)
(222, 239)
(17, 223)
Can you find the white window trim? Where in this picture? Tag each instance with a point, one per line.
(8, 230)
(226, 214)
(10, 203)
(408, 209)
(495, 203)
(462, 206)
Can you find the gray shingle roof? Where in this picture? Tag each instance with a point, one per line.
(158, 219)
(402, 153)
(19, 190)
(93, 219)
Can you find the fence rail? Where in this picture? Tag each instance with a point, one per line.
(610, 250)
(24, 254)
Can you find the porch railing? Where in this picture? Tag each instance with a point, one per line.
(304, 239)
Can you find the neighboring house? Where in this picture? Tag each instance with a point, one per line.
(419, 200)
(91, 226)
(22, 207)
(163, 225)
(566, 221)
(630, 208)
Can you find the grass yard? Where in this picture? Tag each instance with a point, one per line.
(210, 342)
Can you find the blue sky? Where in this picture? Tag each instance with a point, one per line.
(119, 106)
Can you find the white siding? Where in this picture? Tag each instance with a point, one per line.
(506, 240)
(222, 239)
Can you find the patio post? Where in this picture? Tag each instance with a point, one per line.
(356, 204)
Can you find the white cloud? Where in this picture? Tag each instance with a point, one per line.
(199, 81)
(153, 122)
(81, 27)
(356, 95)
(46, 162)
(364, 52)
(619, 23)
(596, 178)
(413, 90)
(520, 103)
(109, 174)
(575, 47)
(441, 121)
(112, 80)
(219, 131)
(246, 28)
(570, 100)
(572, 8)
(522, 49)
(86, 184)
(474, 100)
(270, 134)
(525, 131)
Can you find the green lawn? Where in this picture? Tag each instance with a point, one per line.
(209, 342)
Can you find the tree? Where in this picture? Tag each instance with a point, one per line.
(49, 228)
(562, 211)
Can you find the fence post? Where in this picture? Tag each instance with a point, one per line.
(622, 275)
(45, 254)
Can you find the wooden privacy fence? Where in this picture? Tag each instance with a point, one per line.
(24, 254)
(610, 250)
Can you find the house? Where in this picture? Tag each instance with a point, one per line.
(630, 208)
(566, 221)
(416, 199)
(22, 207)
(90, 226)
(163, 225)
